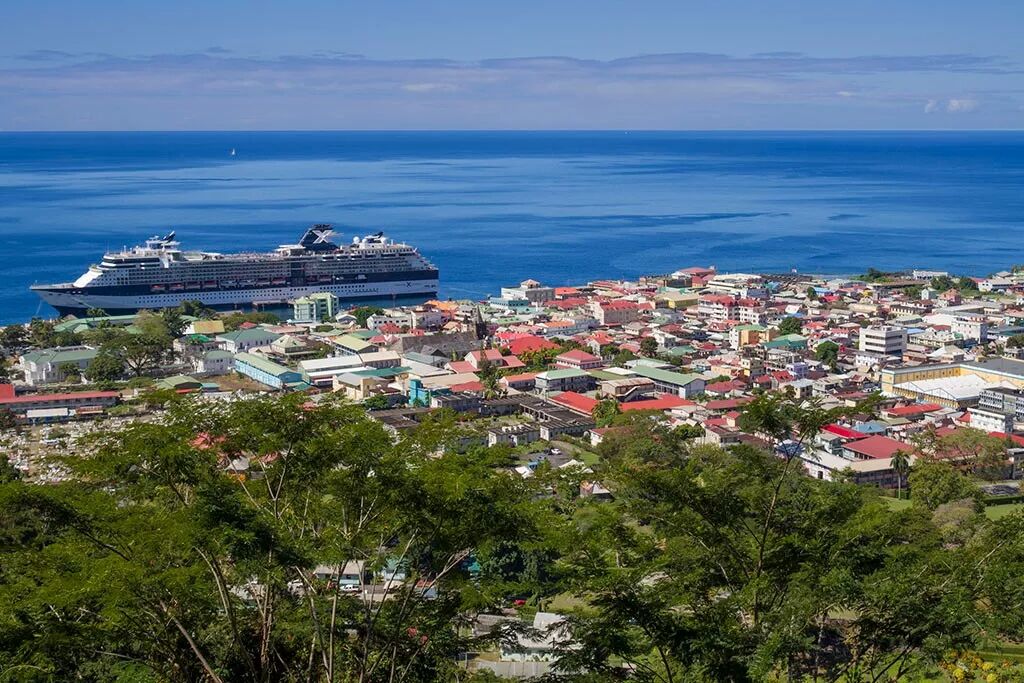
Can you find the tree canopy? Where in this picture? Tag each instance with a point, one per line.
(791, 325)
(267, 539)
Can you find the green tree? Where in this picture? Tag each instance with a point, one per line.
(71, 372)
(901, 466)
(971, 450)
(942, 283)
(196, 309)
(605, 412)
(1015, 341)
(828, 353)
(539, 360)
(609, 350)
(649, 347)
(489, 376)
(41, 333)
(730, 569)
(966, 284)
(173, 322)
(363, 313)
(143, 353)
(811, 294)
(790, 325)
(623, 357)
(95, 313)
(155, 564)
(106, 366)
(13, 336)
(934, 483)
(233, 321)
(379, 402)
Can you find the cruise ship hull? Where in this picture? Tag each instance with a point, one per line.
(67, 298)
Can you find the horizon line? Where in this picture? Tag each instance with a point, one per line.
(506, 130)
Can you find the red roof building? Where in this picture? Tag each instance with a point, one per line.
(576, 402)
(913, 410)
(874, 447)
(578, 359)
(529, 343)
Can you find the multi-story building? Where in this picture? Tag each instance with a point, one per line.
(741, 285)
(395, 316)
(48, 366)
(246, 340)
(564, 380)
(972, 327)
(717, 307)
(998, 409)
(315, 307)
(578, 360)
(531, 290)
(884, 340)
(616, 312)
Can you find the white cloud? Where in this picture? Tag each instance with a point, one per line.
(429, 87)
(961, 105)
(931, 106)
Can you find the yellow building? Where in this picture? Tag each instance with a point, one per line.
(954, 385)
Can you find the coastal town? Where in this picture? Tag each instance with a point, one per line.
(537, 365)
(920, 364)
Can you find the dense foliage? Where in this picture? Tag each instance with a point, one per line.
(210, 546)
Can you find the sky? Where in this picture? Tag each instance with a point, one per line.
(485, 64)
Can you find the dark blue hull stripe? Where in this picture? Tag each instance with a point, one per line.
(147, 289)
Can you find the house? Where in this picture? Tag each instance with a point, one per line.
(49, 366)
(625, 389)
(522, 382)
(315, 307)
(874, 447)
(352, 574)
(513, 435)
(246, 339)
(529, 343)
(567, 379)
(475, 359)
(617, 312)
(361, 384)
(578, 360)
(181, 383)
(350, 344)
(266, 371)
(552, 633)
(288, 345)
(578, 403)
(213, 362)
(666, 381)
(210, 328)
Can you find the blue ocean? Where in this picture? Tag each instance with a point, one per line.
(493, 208)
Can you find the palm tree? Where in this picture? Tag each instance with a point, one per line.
(900, 465)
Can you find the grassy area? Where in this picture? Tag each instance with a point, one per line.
(896, 503)
(1000, 511)
(992, 511)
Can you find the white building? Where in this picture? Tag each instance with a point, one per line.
(971, 326)
(888, 341)
(390, 316)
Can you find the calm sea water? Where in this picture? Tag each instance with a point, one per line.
(494, 208)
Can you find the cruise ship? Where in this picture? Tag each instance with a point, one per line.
(160, 274)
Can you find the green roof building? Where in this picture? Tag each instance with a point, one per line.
(315, 307)
(676, 383)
